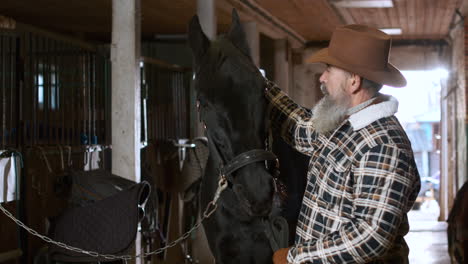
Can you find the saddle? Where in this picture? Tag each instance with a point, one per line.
(193, 169)
(103, 216)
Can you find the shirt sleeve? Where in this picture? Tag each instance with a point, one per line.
(293, 122)
(386, 185)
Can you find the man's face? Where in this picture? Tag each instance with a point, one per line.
(333, 84)
(331, 110)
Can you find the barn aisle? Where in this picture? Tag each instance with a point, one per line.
(427, 238)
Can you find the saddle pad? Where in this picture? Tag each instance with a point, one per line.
(107, 226)
(88, 187)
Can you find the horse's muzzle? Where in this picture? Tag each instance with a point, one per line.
(260, 208)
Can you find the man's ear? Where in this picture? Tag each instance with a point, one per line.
(355, 82)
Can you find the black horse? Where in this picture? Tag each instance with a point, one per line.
(230, 91)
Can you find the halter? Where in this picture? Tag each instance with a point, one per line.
(241, 160)
(275, 228)
(245, 159)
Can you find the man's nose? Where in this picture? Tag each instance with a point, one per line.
(323, 77)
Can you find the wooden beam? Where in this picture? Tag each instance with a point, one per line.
(56, 36)
(419, 42)
(419, 18)
(343, 17)
(438, 18)
(267, 23)
(164, 64)
(400, 13)
(411, 17)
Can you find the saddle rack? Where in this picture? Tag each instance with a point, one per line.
(182, 145)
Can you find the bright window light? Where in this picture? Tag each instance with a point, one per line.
(391, 31)
(443, 73)
(426, 87)
(363, 3)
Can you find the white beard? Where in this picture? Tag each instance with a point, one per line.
(328, 114)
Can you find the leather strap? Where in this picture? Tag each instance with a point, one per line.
(245, 159)
(240, 160)
(277, 232)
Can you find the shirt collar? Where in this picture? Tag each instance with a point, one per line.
(387, 107)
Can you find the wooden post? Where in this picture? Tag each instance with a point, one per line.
(206, 10)
(125, 61)
(126, 109)
(282, 64)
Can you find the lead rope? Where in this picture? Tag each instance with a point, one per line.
(209, 210)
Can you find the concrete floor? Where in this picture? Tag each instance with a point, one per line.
(427, 238)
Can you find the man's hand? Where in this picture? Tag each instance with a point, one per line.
(281, 256)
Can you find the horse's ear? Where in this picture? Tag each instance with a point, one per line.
(237, 35)
(197, 39)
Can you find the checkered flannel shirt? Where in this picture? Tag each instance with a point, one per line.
(360, 185)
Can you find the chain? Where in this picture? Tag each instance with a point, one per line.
(211, 207)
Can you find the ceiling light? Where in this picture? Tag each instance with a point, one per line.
(391, 31)
(363, 3)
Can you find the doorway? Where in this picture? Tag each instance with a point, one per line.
(419, 112)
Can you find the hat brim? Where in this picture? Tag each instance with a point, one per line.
(391, 76)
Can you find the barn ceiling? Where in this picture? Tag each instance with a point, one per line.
(313, 20)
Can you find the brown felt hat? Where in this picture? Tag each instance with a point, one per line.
(361, 50)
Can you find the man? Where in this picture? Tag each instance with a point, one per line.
(362, 178)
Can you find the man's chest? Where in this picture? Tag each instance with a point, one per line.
(331, 170)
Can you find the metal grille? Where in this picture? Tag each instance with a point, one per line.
(9, 92)
(56, 92)
(166, 91)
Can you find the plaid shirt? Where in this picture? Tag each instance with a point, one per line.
(362, 181)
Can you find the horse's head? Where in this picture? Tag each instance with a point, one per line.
(230, 92)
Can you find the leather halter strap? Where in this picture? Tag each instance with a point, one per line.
(241, 160)
(245, 159)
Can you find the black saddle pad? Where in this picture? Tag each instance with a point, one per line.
(105, 224)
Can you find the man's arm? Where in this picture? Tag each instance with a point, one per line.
(291, 121)
(386, 184)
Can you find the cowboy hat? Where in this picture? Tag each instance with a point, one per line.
(361, 50)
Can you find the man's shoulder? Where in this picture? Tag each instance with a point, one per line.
(386, 130)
